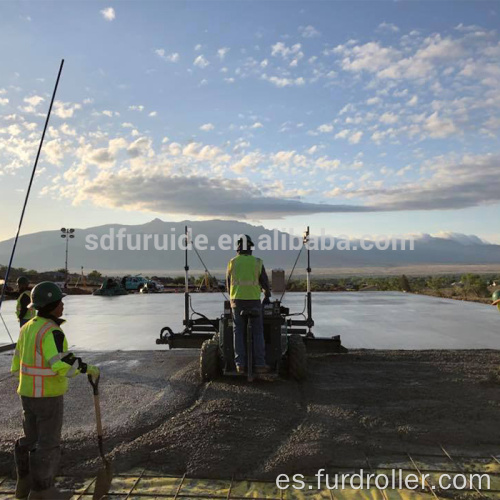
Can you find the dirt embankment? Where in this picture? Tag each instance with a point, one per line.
(363, 403)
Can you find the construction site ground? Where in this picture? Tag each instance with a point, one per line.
(369, 409)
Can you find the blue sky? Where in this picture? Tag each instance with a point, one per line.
(356, 117)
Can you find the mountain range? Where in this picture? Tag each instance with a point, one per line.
(46, 250)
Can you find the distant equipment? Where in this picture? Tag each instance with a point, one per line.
(133, 283)
(278, 281)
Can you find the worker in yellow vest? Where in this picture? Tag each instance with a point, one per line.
(44, 365)
(246, 278)
(23, 312)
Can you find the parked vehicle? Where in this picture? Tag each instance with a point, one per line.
(133, 283)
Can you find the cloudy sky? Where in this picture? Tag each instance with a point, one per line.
(356, 117)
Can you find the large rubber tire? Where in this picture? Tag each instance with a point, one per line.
(297, 357)
(209, 360)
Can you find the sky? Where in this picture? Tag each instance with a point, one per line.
(353, 117)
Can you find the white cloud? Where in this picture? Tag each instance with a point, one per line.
(325, 128)
(4, 101)
(207, 127)
(388, 118)
(34, 100)
(197, 47)
(108, 14)
(413, 101)
(153, 114)
(173, 57)
(309, 31)
(248, 161)
(139, 108)
(127, 125)
(373, 100)
(352, 136)
(65, 109)
(355, 137)
(327, 164)
(280, 49)
(201, 62)
(388, 27)
(54, 151)
(370, 57)
(343, 134)
(221, 53)
(67, 130)
(284, 82)
(257, 125)
(439, 127)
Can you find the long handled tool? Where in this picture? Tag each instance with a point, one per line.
(6, 278)
(105, 474)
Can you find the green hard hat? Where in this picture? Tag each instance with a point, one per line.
(45, 293)
(23, 281)
(496, 295)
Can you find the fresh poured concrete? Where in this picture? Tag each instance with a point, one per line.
(371, 320)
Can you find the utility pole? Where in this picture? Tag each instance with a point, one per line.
(67, 233)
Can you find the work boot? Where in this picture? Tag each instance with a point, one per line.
(50, 494)
(241, 369)
(21, 459)
(23, 486)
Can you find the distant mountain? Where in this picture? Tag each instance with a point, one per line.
(46, 250)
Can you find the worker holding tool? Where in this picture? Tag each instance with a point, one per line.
(246, 277)
(44, 365)
(23, 312)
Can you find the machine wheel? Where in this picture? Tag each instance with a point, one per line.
(297, 357)
(209, 360)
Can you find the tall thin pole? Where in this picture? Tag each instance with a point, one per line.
(66, 265)
(186, 282)
(29, 186)
(310, 322)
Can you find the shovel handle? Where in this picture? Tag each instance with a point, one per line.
(94, 384)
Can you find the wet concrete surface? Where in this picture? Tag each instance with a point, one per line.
(368, 320)
(158, 413)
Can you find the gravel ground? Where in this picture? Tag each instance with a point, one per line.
(157, 412)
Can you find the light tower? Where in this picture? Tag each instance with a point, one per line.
(67, 233)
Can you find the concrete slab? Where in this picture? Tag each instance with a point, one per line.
(371, 320)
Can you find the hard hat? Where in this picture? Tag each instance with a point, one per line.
(45, 293)
(496, 295)
(23, 281)
(245, 242)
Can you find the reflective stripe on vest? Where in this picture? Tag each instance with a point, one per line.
(43, 372)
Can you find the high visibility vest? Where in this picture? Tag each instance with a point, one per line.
(30, 313)
(42, 373)
(244, 272)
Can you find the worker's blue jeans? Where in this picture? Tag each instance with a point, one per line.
(259, 346)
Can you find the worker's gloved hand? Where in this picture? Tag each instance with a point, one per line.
(93, 371)
(267, 300)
